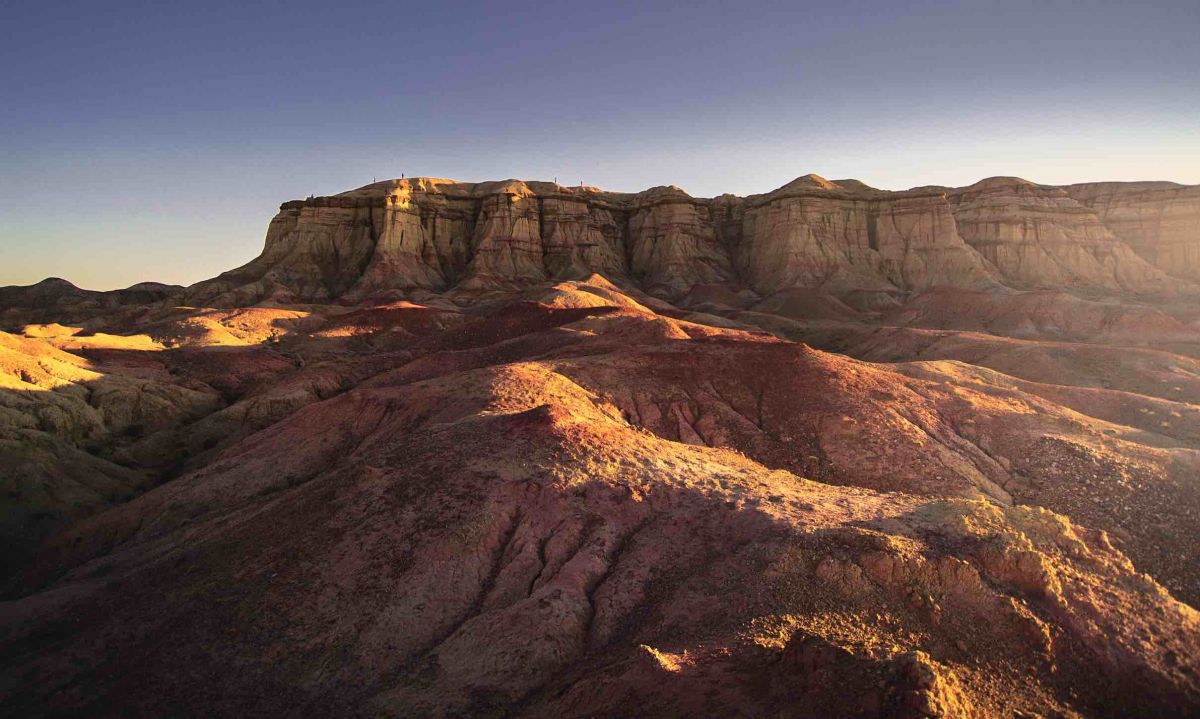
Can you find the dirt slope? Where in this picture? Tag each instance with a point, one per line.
(574, 502)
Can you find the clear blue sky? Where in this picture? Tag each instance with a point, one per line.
(154, 140)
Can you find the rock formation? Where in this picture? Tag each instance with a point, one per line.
(1038, 237)
(813, 233)
(843, 238)
(1159, 220)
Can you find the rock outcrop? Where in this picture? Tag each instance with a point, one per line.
(844, 238)
(315, 250)
(1038, 237)
(673, 243)
(815, 233)
(1159, 220)
(518, 449)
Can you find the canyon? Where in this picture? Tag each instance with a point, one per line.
(516, 449)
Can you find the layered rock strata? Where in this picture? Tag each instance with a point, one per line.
(844, 238)
(814, 233)
(1159, 220)
(1039, 237)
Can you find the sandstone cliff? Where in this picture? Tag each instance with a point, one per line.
(1037, 236)
(1159, 220)
(843, 238)
(815, 233)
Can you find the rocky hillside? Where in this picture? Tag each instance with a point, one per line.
(843, 238)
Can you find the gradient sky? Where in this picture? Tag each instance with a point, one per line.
(154, 140)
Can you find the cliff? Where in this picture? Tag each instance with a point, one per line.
(1039, 237)
(815, 233)
(841, 237)
(1159, 220)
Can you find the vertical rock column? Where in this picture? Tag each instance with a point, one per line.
(404, 256)
(507, 244)
(580, 238)
(797, 240)
(673, 244)
(919, 246)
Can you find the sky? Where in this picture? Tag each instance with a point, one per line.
(154, 141)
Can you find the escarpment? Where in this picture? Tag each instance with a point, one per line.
(813, 233)
(843, 238)
(1039, 237)
(674, 244)
(1159, 220)
(315, 250)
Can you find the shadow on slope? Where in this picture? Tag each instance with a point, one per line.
(502, 543)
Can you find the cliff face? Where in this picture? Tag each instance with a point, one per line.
(813, 233)
(840, 237)
(1159, 220)
(674, 244)
(1038, 236)
(314, 251)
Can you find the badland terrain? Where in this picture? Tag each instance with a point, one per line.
(514, 449)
